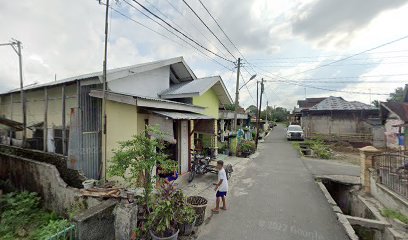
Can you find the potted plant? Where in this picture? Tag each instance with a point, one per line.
(247, 148)
(134, 160)
(185, 215)
(186, 218)
(161, 222)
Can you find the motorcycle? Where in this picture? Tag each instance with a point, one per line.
(202, 164)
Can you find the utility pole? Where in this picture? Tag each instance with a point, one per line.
(237, 95)
(16, 45)
(259, 112)
(266, 118)
(104, 118)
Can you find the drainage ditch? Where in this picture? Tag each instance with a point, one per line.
(359, 214)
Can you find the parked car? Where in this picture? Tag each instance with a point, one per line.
(295, 132)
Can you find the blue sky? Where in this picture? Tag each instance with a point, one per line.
(277, 37)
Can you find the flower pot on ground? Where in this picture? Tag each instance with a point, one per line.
(186, 219)
(172, 237)
(199, 204)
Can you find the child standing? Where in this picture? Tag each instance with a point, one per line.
(221, 187)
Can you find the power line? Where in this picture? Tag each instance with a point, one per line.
(333, 65)
(208, 28)
(190, 35)
(141, 24)
(312, 61)
(328, 89)
(178, 31)
(323, 56)
(246, 86)
(225, 34)
(350, 56)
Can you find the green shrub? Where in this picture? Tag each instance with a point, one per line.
(234, 146)
(320, 149)
(53, 227)
(246, 146)
(22, 218)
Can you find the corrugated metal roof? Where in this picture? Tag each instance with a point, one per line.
(192, 87)
(338, 103)
(198, 87)
(179, 66)
(401, 109)
(182, 115)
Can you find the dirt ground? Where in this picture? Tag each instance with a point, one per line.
(347, 157)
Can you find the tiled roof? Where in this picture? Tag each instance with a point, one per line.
(338, 103)
(310, 102)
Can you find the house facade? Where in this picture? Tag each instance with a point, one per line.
(335, 116)
(66, 115)
(394, 116)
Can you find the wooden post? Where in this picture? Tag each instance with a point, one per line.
(64, 150)
(45, 128)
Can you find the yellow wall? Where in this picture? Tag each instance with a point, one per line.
(121, 124)
(210, 101)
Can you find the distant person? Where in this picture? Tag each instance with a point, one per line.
(166, 177)
(221, 187)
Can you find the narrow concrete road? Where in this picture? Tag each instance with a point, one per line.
(330, 167)
(275, 198)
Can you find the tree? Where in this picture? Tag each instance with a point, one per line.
(376, 103)
(252, 109)
(135, 160)
(397, 95)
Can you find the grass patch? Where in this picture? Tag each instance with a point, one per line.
(319, 147)
(21, 217)
(394, 214)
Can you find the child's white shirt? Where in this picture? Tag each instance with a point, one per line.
(224, 185)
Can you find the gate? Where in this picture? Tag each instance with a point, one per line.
(392, 173)
(91, 137)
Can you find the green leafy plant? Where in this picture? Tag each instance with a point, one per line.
(53, 227)
(247, 146)
(394, 214)
(22, 218)
(320, 149)
(185, 215)
(135, 159)
(234, 146)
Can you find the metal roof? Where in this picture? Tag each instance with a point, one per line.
(146, 101)
(179, 68)
(182, 115)
(399, 108)
(338, 103)
(198, 87)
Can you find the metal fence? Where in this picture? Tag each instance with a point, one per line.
(66, 234)
(392, 170)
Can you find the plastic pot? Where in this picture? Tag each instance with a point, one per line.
(186, 229)
(172, 237)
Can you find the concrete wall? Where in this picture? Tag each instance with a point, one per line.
(96, 222)
(337, 123)
(147, 84)
(388, 198)
(210, 101)
(43, 178)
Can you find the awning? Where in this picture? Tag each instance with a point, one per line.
(182, 115)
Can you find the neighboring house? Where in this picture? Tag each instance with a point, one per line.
(338, 117)
(394, 116)
(226, 121)
(163, 93)
(296, 116)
